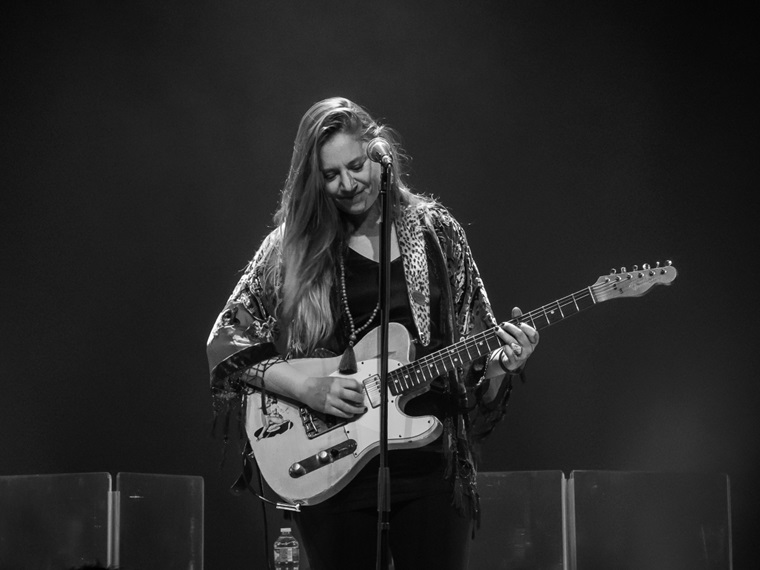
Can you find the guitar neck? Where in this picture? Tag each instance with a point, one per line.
(420, 373)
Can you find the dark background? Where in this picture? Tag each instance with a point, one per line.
(144, 145)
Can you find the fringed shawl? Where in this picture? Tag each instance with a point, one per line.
(244, 336)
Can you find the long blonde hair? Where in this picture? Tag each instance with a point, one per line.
(313, 231)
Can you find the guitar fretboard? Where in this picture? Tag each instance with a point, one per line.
(416, 375)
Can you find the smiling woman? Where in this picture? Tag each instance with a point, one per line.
(312, 290)
(351, 179)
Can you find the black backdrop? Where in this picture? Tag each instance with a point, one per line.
(144, 144)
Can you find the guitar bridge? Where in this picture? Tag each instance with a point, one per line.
(315, 424)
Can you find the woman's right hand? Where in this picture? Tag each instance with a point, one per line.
(334, 395)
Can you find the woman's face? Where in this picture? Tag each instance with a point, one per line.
(351, 179)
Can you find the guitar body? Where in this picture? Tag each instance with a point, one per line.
(307, 457)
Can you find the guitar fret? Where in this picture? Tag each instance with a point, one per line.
(467, 351)
(585, 300)
(547, 321)
(393, 382)
(493, 340)
(565, 308)
(396, 381)
(419, 374)
(405, 381)
(454, 358)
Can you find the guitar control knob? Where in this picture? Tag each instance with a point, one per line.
(297, 470)
(323, 457)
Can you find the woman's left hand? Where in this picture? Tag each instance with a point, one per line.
(519, 343)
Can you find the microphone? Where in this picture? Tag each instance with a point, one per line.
(379, 150)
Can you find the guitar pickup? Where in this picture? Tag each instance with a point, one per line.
(321, 459)
(372, 390)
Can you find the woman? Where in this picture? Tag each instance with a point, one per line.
(312, 289)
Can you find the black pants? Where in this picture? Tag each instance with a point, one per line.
(427, 532)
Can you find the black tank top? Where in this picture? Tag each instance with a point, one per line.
(414, 472)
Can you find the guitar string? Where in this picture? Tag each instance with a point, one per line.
(445, 356)
(570, 300)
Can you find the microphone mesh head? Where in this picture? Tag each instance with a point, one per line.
(379, 150)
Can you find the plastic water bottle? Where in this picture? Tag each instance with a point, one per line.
(286, 552)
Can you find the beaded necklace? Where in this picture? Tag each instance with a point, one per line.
(348, 361)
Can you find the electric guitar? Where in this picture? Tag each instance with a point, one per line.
(306, 456)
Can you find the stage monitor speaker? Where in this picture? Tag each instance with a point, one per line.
(160, 522)
(148, 522)
(522, 525)
(54, 521)
(648, 521)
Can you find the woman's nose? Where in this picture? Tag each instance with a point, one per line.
(346, 180)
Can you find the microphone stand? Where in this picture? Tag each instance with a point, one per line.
(383, 476)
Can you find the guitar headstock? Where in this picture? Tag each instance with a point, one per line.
(633, 283)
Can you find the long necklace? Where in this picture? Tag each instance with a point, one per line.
(348, 361)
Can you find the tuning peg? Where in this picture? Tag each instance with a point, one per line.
(613, 271)
(669, 262)
(658, 264)
(635, 268)
(623, 270)
(646, 267)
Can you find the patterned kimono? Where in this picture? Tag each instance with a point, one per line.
(245, 334)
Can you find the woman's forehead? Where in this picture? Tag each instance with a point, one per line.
(340, 149)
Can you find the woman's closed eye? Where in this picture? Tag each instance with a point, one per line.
(357, 166)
